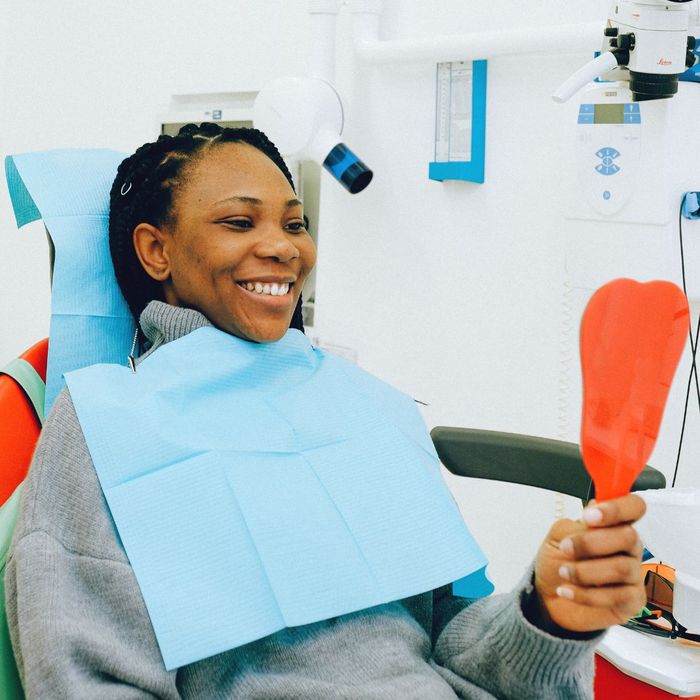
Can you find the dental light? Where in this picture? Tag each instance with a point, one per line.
(304, 118)
(646, 43)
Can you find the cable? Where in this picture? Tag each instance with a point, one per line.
(693, 341)
(680, 442)
(693, 348)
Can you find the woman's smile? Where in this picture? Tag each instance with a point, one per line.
(274, 293)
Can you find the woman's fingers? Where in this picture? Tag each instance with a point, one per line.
(614, 570)
(626, 509)
(622, 601)
(602, 542)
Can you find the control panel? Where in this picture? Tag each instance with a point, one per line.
(618, 170)
(609, 140)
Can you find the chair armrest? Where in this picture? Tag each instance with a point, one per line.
(523, 459)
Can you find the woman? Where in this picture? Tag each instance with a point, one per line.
(206, 230)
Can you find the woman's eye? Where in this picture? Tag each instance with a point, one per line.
(296, 226)
(238, 223)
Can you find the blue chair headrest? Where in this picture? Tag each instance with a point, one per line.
(69, 190)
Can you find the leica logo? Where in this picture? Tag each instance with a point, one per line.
(664, 62)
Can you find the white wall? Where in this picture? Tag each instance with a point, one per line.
(457, 293)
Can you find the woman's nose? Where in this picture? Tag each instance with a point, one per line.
(277, 244)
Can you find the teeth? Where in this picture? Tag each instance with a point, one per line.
(271, 288)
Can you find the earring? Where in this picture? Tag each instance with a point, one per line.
(131, 360)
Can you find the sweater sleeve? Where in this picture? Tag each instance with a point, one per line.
(77, 621)
(492, 645)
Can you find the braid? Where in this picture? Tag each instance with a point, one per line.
(143, 190)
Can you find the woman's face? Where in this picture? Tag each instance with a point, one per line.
(237, 249)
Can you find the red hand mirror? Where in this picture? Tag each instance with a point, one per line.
(632, 338)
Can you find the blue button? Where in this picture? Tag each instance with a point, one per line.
(606, 195)
(633, 118)
(631, 108)
(586, 109)
(585, 119)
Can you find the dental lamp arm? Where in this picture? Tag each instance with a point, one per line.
(593, 69)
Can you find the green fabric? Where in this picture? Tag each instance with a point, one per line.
(10, 686)
(33, 386)
(29, 380)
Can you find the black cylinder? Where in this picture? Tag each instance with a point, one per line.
(652, 86)
(348, 169)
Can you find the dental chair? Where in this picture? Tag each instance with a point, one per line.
(90, 322)
(68, 190)
(22, 384)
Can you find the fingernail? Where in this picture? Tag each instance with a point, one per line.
(567, 546)
(565, 572)
(567, 593)
(592, 516)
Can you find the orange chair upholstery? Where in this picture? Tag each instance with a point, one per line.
(19, 425)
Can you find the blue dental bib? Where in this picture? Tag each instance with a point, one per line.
(262, 486)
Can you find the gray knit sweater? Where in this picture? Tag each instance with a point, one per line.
(80, 629)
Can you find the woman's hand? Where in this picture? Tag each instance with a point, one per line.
(587, 574)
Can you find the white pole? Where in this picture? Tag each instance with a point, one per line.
(466, 47)
(322, 39)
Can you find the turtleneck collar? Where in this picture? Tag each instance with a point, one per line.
(162, 323)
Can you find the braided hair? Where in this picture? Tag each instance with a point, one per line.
(143, 191)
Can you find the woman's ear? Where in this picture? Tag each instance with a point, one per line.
(149, 243)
